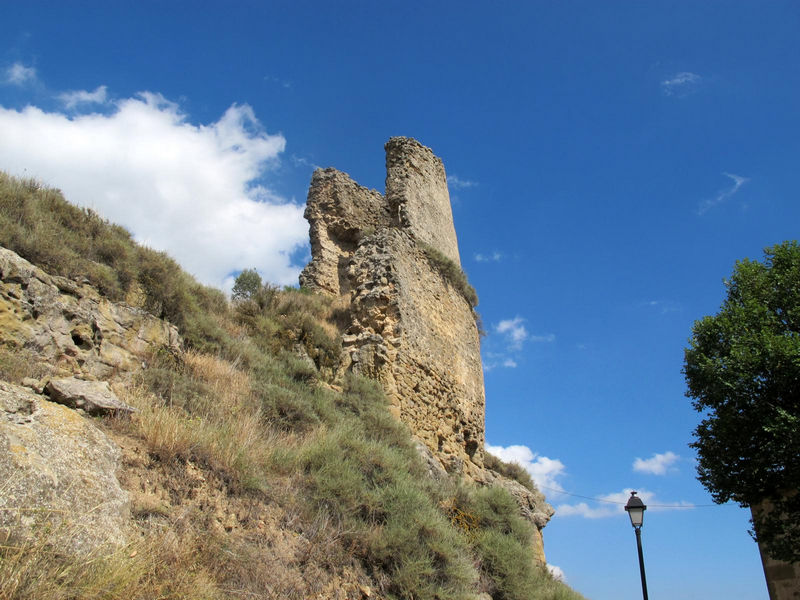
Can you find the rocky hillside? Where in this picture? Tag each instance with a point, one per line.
(159, 441)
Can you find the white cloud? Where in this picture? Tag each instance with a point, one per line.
(608, 505)
(459, 184)
(19, 74)
(513, 334)
(722, 195)
(611, 505)
(493, 257)
(497, 359)
(658, 464)
(557, 573)
(193, 190)
(78, 97)
(514, 331)
(544, 471)
(681, 84)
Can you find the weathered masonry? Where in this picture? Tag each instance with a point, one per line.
(410, 326)
(390, 258)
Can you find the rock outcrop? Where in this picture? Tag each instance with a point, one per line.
(57, 468)
(390, 258)
(57, 475)
(71, 326)
(92, 397)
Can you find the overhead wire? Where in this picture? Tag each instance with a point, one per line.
(607, 501)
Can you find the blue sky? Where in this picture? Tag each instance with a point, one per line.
(608, 164)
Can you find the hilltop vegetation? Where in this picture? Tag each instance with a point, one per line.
(255, 470)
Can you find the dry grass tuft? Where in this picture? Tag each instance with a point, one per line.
(159, 565)
(229, 385)
(224, 430)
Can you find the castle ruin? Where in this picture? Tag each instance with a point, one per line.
(410, 326)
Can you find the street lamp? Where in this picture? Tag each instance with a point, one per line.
(635, 508)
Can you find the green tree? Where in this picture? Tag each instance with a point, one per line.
(742, 369)
(247, 285)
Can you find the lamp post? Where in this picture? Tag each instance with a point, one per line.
(635, 508)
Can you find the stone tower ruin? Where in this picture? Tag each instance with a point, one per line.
(390, 259)
(410, 327)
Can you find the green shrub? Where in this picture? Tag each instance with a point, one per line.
(177, 388)
(289, 320)
(378, 493)
(501, 540)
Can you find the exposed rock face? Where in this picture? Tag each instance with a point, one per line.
(93, 397)
(409, 327)
(58, 475)
(71, 325)
(57, 469)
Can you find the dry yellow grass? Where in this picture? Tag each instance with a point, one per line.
(159, 565)
(227, 381)
(228, 432)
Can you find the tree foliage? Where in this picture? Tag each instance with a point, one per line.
(742, 370)
(246, 285)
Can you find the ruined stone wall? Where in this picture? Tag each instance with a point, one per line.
(783, 578)
(416, 333)
(416, 191)
(339, 212)
(410, 328)
(407, 326)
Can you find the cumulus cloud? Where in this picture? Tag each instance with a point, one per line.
(19, 74)
(505, 350)
(557, 573)
(611, 505)
(658, 464)
(76, 98)
(681, 84)
(196, 191)
(459, 184)
(722, 195)
(543, 470)
(514, 331)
